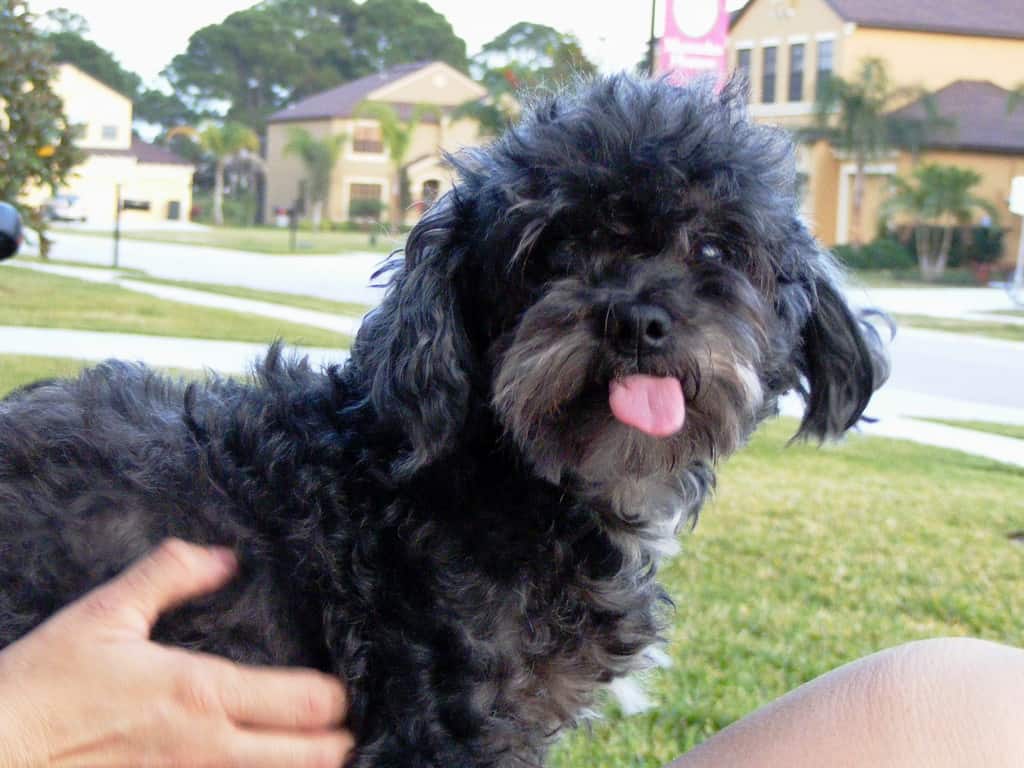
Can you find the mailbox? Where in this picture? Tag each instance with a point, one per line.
(1017, 195)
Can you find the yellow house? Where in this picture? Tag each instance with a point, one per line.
(364, 170)
(969, 53)
(145, 173)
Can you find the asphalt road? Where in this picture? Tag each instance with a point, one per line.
(959, 367)
(342, 278)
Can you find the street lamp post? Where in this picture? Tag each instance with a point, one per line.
(117, 228)
(1017, 207)
(651, 42)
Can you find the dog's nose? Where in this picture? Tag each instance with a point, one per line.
(636, 327)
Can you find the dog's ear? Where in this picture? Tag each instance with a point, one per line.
(414, 349)
(842, 359)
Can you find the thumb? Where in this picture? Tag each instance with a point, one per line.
(172, 574)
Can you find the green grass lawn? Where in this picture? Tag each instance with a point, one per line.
(1005, 430)
(259, 239)
(274, 297)
(1011, 312)
(911, 278)
(18, 370)
(995, 330)
(809, 558)
(50, 301)
(124, 271)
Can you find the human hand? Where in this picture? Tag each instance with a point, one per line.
(88, 687)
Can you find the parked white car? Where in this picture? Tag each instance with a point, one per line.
(65, 207)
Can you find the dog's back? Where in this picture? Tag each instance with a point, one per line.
(96, 470)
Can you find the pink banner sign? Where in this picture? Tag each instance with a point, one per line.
(694, 41)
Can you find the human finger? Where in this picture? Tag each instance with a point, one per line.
(172, 574)
(294, 699)
(260, 749)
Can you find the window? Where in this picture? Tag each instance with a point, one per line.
(796, 72)
(367, 139)
(109, 132)
(768, 75)
(826, 53)
(743, 63)
(364, 201)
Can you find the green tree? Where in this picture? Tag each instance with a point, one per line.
(36, 140)
(524, 57)
(96, 61)
(68, 35)
(390, 32)
(936, 199)
(528, 55)
(264, 57)
(1016, 98)
(224, 142)
(320, 157)
(249, 61)
(855, 117)
(397, 135)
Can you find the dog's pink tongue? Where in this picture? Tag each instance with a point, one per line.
(652, 404)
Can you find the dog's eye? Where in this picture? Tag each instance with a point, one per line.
(710, 252)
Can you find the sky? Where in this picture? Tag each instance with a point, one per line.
(145, 36)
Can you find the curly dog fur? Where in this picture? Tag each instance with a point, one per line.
(455, 522)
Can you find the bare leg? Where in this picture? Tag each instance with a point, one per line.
(931, 704)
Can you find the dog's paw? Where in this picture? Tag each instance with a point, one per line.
(631, 696)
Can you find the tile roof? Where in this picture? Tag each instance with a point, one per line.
(979, 109)
(995, 18)
(144, 152)
(986, 18)
(341, 101)
(153, 153)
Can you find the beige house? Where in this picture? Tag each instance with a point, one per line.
(364, 170)
(115, 158)
(969, 53)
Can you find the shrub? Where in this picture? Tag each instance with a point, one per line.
(362, 209)
(970, 245)
(883, 253)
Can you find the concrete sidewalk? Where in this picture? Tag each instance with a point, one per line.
(340, 323)
(897, 413)
(161, 351)
(346, 277)
(953, 303)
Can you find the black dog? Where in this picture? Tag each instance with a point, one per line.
(464, 522)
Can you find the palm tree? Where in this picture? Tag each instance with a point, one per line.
(937, 199)
(1016, 98)
(320, 156)
(854, 116)
(224, 142)
(397, 135)
(491, 115)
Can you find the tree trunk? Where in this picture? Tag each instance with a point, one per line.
(923, 247)
(396, 202)
(218, 193)
(856, 238)
(943, 260)
(317, 214)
